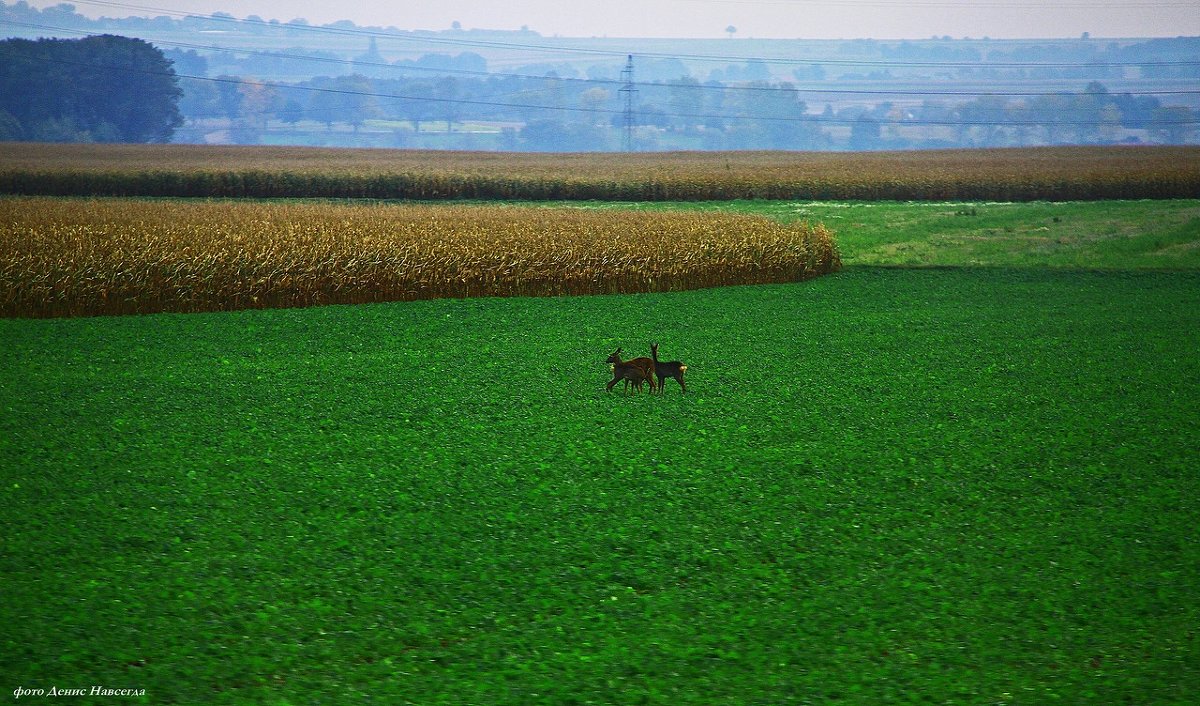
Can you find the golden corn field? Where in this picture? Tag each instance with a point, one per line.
(73, 257)
(1026, 174)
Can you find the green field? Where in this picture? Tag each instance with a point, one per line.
(972, 485)
(1117, 235)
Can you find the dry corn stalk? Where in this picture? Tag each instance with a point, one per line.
(70, 257)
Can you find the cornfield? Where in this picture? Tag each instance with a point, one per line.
(74, 257)
(1033, 174)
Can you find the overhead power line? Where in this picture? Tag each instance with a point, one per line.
(774, 88)
(1088, 4)
(620, 52)
(528, 106)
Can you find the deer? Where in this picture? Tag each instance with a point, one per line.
(673, 369)
(637, 371)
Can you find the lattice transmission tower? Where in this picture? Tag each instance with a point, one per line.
(628, 89)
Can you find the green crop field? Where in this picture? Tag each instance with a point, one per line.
(971, 485)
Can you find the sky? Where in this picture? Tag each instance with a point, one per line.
(760, 19)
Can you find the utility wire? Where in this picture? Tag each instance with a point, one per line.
(593, 111)
(401, 69)
(616, 53)
(1119, 5)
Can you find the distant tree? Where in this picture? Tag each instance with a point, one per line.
(229, 95)
(1109, 129)
(345, 99)
(470, 61)
(1053, 113)
(322, 104)
(814, 72)
(981, 121)
(258, 102)
(553, 94)
(418, 105)
(188, 62)
(104, 88)
(716, 105)
(1136, 111)
(558, 136)
(199, 99)
(291, 112)
(779, 114)
(865, 134)
(687, 102)
(1087, 112)
(1173, 124)
(649, 114)
(593, 100)
(446, 92)
(756, 70)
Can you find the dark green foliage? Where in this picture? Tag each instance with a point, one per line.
(883, 486)
(97, 89)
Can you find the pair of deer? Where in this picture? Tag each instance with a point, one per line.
(644, 369)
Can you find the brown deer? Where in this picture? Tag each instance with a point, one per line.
(673, 369)
(637, 371)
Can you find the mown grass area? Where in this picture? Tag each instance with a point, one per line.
(884, 486)
(1116, 235)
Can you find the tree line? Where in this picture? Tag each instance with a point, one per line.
(116, 89)
(98, 89)
(555, 114)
